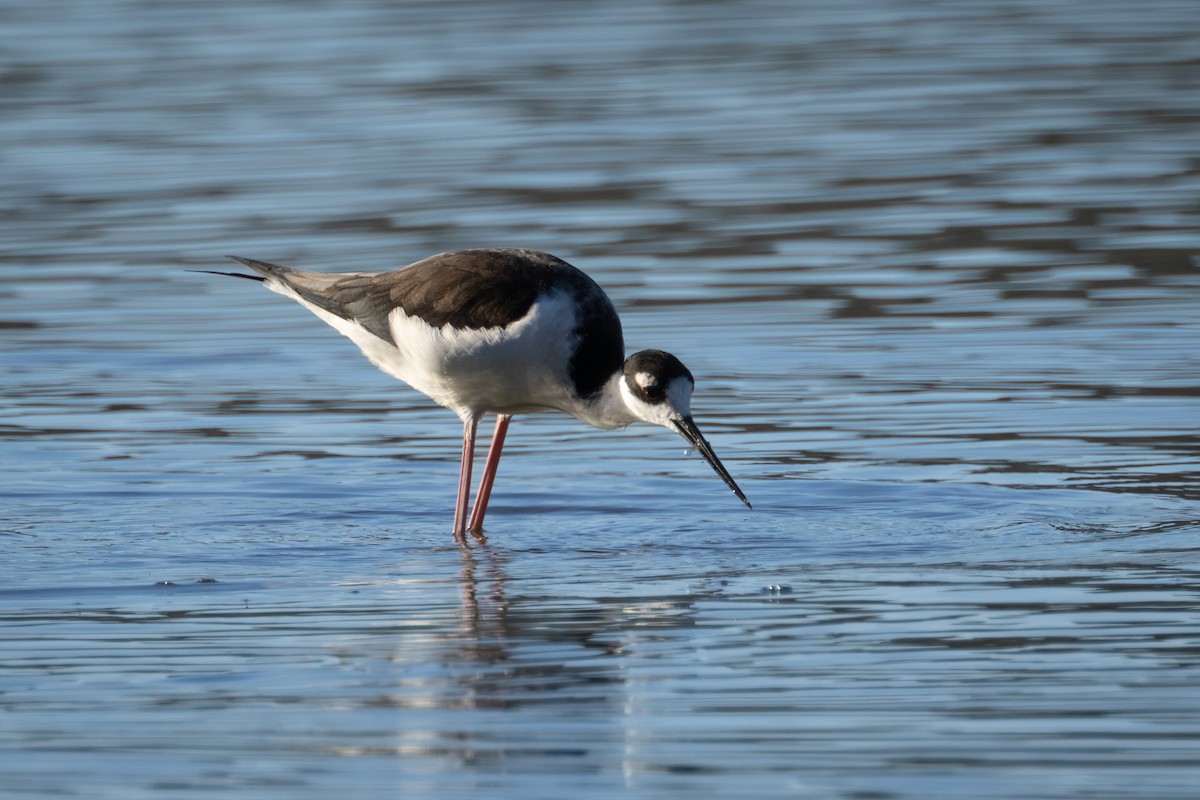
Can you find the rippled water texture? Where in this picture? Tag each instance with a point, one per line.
(933, 264)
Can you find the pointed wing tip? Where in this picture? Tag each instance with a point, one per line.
(230, 274)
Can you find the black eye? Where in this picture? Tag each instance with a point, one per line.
(651, 392)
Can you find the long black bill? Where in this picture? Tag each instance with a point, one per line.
(687, 427)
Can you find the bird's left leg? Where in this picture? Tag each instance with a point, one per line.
(489, 476)
(470, 426)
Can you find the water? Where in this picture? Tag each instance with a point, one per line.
(934, 266)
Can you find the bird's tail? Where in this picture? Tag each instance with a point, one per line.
(230, 274)
(265, 270)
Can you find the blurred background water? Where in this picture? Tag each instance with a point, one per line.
(934, 265)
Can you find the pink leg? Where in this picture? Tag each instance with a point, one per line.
(489, 475)
(470, 425)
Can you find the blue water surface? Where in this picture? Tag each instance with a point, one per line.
(933, 265)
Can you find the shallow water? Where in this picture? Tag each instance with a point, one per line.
(934, 267)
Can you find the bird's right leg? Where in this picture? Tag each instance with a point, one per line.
(470, 425)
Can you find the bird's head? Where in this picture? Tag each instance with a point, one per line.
(657, 388)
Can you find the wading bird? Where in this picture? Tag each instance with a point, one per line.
(498, 331)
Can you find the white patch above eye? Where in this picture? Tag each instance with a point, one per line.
(645, 380)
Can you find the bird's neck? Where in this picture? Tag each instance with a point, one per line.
(607, 408)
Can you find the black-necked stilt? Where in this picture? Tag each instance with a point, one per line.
(500, 331)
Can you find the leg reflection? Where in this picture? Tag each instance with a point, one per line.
(484, 615)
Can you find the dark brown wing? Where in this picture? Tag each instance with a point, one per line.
(476, 288)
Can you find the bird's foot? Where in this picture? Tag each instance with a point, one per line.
(460, 537)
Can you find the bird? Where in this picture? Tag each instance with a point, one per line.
(499, 331)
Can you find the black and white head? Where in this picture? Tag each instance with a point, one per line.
(657, 388)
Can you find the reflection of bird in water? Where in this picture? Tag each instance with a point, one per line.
(484, 605)
(500, 332)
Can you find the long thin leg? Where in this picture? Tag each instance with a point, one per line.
(489, 475)
(470, 425)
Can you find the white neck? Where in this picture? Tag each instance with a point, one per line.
(606, 409)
